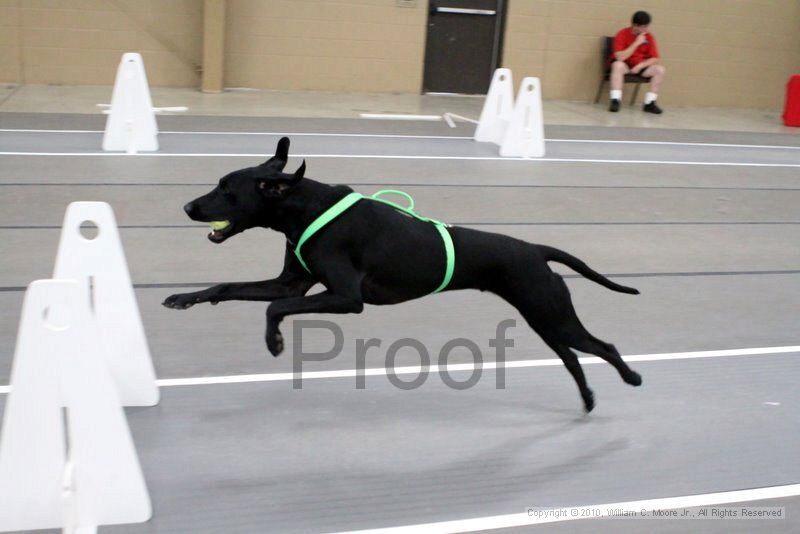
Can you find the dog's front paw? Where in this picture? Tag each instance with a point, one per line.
(182, 301)
(274, 341)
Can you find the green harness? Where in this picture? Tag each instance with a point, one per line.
(344, 204)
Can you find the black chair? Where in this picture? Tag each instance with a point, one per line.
(608, 43)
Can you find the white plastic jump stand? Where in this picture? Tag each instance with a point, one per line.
(131, 124)
(525, 135)
(100, 268)
(497, 109)
(67, 458)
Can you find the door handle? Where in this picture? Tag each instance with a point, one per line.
(462, 11)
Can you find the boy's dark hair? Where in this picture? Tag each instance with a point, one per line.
(641, 18)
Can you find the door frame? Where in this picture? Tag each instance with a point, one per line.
(497, 44)
(499, 33)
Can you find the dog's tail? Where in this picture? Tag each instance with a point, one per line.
(553, 254)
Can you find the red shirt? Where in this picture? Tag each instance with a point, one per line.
(646, 50)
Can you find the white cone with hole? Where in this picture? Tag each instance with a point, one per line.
(131, 123)
(100, 268)
(525, 134)
(497, 109)
(66, 454)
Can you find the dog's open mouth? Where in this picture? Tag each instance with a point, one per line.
(220, 230)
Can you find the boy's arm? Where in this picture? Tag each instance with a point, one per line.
(623, 54)
(652, 60)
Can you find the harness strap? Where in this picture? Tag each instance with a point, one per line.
(450, 250)
(329, 215)
(347, 202)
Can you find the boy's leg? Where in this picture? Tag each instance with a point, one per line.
(617, 78)
(618, 71)
(656, 75)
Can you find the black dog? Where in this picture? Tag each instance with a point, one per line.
(374, 254)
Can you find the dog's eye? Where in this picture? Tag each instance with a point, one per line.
(223, 186)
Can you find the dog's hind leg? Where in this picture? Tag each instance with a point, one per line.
(547, 307)
(562, 320)
(572, 364)
(552, 316)
(609, 353)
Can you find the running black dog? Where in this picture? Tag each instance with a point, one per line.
(375, 254)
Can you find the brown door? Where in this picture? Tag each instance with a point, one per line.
(463, 46)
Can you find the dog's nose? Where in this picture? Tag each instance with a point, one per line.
(190, 208)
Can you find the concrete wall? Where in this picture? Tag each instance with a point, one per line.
(328, 45)
(80, 42)
(717, 52)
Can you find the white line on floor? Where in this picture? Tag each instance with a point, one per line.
(272, 134)
(400, 117)
(670, 143)
(391, 156)
(516, 364)
(592, 511)
(29, 130)
(450, 137)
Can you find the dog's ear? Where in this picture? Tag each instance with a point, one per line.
(299, 173)
(278, 187)
(278, 161)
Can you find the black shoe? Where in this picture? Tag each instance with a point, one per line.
(652, 107)
(613, 105)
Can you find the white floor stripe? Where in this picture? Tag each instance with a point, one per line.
(271, 134)
(669, 143)
(392, 156)
(450, 137)
(400, 117)
(598, 510)
(310, 134)
(517, 364)
(33, 130)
